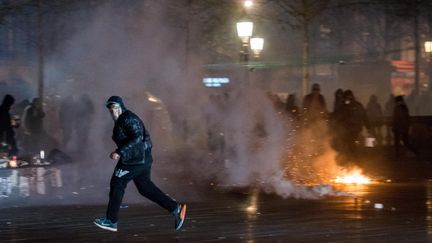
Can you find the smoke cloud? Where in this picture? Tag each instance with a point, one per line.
(140, 56)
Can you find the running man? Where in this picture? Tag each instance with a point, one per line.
(134, 158)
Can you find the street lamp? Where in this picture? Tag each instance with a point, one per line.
(244, 32)
(257, 45)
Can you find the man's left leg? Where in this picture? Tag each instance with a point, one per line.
(149, 190)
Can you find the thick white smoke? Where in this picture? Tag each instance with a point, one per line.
(139, 55)
(260, 138)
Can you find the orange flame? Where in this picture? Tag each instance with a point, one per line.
(352, 177)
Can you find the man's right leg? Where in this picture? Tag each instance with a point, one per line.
(118, 185)
(121, 176)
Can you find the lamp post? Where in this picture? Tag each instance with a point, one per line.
(244, 32)
(428, 50)
(257, 44)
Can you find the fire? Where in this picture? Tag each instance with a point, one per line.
(353, 177)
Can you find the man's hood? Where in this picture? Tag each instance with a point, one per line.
(116, 100)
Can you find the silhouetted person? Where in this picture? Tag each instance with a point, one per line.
(314, 106)
(388, 114)
(412, 100)
(18, 109)
(337, 104)
(215, 129)
(291, 107)
(33, 118)
(36, 138)
(276, 101)
(375, 116)
(67, 118)
(349, 119)
(338, 99)
(84, 111)
(7, 134)
(401, 124)
(135, 159)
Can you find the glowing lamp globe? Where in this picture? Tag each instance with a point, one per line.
(244, 31)
(428, 46)
(257, 45)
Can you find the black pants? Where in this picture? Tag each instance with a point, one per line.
(140, 174)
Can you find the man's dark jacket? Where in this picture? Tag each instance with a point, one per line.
(132, 139)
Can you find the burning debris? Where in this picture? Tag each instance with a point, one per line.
(354, 176)
(37, 160)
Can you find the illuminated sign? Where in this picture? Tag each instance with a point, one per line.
(402, 77)
(215, 82)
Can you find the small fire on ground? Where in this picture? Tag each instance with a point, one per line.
(354, 176)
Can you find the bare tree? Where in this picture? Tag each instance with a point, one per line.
(39, 20)
(300, 15)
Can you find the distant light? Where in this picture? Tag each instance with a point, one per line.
(153, 98)
(251, 209)
(428, 46)
(248, 3)
(213, 85)
(215, 82)
(13, 162)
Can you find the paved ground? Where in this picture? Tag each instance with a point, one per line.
(244, 215)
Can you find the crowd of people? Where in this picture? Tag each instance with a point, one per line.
(22, 129)
(22, 124)
(349, 119)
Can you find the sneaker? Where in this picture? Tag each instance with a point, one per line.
(180, 215)
(105, 223)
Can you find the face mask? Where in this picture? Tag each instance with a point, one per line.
(115, 111)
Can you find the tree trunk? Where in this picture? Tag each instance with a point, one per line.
(40, 51)
(305, 85)
(187, 38)
(417, 55)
